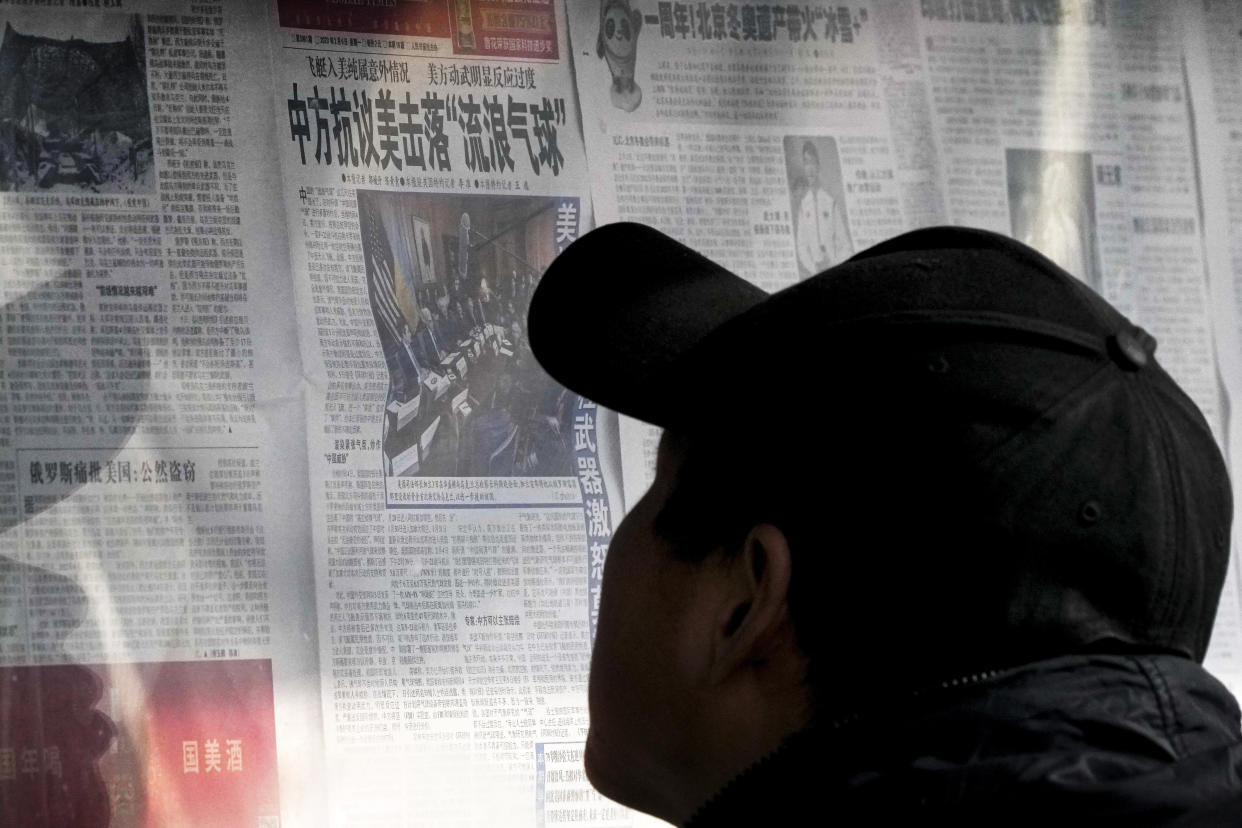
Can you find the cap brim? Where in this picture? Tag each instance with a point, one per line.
(622, 304)
(642, 324)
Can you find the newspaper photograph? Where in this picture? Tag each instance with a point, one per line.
(449, 279)
(1052, 208)
(75, 109)
(821, 229)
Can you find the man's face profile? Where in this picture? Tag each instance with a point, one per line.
(638, 698)
(695, 669)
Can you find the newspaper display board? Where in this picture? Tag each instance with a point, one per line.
(287, 509)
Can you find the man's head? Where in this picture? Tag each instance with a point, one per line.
(810, 163)
(943, 456)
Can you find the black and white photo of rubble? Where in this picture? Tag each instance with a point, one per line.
(74, 113)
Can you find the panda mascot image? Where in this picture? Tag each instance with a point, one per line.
(618, 45)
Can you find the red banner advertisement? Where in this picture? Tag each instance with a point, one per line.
(498, 28)
(165, 743)
(487, 28)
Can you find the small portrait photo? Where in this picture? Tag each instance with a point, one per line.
(817, 203)
(1052, 208)
(74, 114)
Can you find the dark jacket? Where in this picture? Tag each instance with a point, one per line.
(1091, 739)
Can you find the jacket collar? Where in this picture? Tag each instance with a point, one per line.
(1086, 733)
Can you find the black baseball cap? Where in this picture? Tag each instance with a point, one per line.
(1033, 479)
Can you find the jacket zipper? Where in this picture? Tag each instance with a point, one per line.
(949, 684)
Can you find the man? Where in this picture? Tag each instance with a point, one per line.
(954, 560)
(822, 237)
(428, 335)
(410, 365)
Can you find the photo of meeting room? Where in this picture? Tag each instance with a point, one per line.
(449, 279)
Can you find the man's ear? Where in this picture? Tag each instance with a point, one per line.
(753, 624)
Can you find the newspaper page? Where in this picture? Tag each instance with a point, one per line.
(779, 139)
(149, 429)
(776, 139)
(461, 499)
(1071, 131)
(1071, 128)
(1213, 55)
